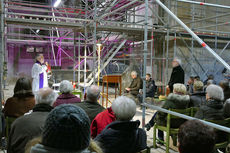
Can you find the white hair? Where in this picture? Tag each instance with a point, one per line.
(124, 108)
(178, 60)
(215, 92)
(179, 88)
(134, 73)
(93, 93)
(46, 96)
(66, 87)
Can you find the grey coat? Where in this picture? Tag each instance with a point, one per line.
(26, 128)
(197, 99)
(213, 110)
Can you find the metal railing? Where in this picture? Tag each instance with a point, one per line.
(216, 126)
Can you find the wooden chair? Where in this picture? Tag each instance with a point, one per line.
(9, 121)
(169, 131)
(225, 122)
(193, 111)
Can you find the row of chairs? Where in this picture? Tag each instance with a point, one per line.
(174, 131)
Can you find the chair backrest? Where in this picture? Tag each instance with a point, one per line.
(9, 121)
(221, 135)
(225, 122)
(186, 111)
(177, 121)
(193, 111)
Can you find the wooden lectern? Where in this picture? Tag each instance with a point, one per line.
(110, 79)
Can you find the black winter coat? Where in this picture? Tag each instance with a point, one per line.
(122, 137)
(91, 108)
(177, 76)
(27, 127)
(197, 99)
(213, 110)
(150, 88)
(174, 101)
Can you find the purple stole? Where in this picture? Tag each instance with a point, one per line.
(41, 77)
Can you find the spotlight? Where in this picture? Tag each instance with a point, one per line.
(57, 3)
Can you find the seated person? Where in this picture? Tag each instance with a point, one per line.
(227, 108)
(150, 88)
(195, 137)
(190, 85)
(66, 97)
(214, 108)
(66, 130)
(135, 85)
(29, 126)
(23, 100)
(176, 100)
(123, 135)
(90, 105)
(225, 86)
(198, 98)
(101, 121)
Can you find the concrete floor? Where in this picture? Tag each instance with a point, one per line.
(8, 92)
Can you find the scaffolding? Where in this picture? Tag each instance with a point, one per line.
(150, 33)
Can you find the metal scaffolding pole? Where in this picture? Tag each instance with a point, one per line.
(145, 57)
(216, 126)
(205, 4)
(79, 59)
(74, 56)
(94, 39)
(2, 50)
(167, 47)
(192, 43)
(201, 42)
(85, 47)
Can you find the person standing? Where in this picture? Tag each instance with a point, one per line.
(39, 74)
(177, 75)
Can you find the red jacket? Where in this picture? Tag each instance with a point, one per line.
(101, 121)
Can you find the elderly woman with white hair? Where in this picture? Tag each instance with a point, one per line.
(123, 135)
(176, 100)
(66, 97)
(213, 109)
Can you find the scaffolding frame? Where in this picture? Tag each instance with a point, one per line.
(112, 20)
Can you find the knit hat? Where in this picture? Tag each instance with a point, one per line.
(67, 127)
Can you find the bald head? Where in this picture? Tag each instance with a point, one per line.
(93, 93)
(45, 95)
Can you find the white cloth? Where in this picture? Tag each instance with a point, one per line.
(38, 69)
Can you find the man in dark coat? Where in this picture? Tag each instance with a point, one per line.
(150, 88)
(27, 127)
(198, 98)
(90, 105)
(177, 75)
(135, 85)
(123, 135)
